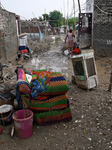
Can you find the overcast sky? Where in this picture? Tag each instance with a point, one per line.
(35, 8)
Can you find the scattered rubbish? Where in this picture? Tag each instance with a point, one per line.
(64, 125)
(89, 139)
(9, 75)
(100, 133)
(5, 95)
(1, 69)
(53, 38)
(1, 129)
(13, 95)
(85, 130)
(78, 121)
(110, 84)
(81, 105)
(23, 120)
(82, 116)
(84, 68)
(2, 142)
(6, 114)
(110, 102)
(65, 134)
(15, 103)
(93, 129)
(12, 132)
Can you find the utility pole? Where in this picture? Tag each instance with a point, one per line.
(74, 13)
(64, 10)
(67, 12)
(45, 22)
(79, 6)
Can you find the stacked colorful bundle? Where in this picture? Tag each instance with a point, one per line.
(48, 109)
(57, 84)
(52, 105)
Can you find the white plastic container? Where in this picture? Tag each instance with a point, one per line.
(23, 41)
(84, 69)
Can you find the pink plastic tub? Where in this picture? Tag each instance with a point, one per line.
(23, 120)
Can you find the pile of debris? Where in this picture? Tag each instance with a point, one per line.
(38, 46)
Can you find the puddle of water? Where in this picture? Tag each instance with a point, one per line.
(35, 61)
(52, 60)
(54, 69)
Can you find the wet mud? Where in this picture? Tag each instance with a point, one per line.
(51, 60)
(91, 126)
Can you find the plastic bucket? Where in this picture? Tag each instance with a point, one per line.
(6, 112)
(23, 121)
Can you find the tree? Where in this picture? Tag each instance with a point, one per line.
(71, 21)
(55, 18)
(63, 21)
(40, 18)
(45, 16)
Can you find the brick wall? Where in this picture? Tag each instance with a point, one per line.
(102, 28)
(29, 27)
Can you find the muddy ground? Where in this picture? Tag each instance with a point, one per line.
(91, 126)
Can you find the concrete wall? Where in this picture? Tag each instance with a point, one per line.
(102, 27)
(8, 36)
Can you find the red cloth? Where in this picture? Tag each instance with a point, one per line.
(77, 51)
(24, 51)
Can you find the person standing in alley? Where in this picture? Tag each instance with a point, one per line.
(70, 37)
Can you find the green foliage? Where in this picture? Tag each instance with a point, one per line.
(63, 21)
(55, 18)
(40, 18)
(77, 19)
(45, 17)
(71, 21)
